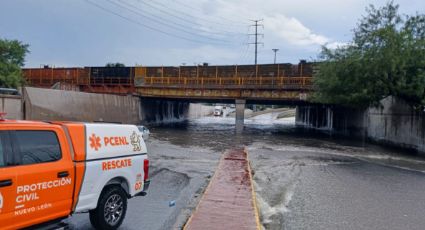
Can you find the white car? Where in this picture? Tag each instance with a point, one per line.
(218, 110)
(145, 132)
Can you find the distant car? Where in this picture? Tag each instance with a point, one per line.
(218, 110)
(145, 132)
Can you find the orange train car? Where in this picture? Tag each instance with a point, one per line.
(303, 69)
(124, 79)
(46, 77)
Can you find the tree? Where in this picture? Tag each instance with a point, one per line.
(385, 58)
(12, 58)
(110, 64)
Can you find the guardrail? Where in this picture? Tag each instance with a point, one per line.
(238, 82)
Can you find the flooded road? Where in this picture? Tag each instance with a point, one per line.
(303, 180)
(313, 181)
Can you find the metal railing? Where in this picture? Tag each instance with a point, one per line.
(233, 82)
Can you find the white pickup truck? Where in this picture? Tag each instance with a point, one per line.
(48, 171)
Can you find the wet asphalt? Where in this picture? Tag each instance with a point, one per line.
(303, 180)
(178, 176)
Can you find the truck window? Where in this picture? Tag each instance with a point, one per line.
(4, 143)
(38, 146)
(2, 153)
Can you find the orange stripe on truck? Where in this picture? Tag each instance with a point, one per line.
(78, 139)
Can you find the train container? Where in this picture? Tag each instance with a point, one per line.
(140, 73)
(47, 77)
(110, 72)
(207, 71)
(229, 71)
(111, 75)
(304, 68)
(127, 77)
(188, 71)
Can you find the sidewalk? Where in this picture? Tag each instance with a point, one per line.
(229, 200)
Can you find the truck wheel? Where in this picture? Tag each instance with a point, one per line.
(111, 209)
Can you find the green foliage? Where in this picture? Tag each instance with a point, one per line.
(110, 64)
(12, 58)
(386, 57)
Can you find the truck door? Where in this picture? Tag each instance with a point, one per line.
(45, 175)
(7, 182)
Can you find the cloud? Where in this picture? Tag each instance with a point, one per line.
(278, 26)
(293, 31)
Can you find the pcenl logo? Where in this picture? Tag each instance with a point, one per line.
(95, 142)
(135, 141)
(1, 201)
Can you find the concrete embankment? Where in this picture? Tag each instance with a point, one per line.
(394, 123)
(229, 200)
(52, 104)
(49, 104)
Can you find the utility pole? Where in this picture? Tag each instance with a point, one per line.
(275, 51)
(256, 25)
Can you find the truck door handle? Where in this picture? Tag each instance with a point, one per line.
(63, 174)
(5, 183)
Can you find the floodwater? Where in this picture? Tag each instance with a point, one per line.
(303, 180)
(307, 180)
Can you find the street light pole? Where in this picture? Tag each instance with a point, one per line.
(275, 51)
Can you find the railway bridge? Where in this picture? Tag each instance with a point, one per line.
(253, 84)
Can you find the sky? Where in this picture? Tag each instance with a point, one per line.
(67, 33)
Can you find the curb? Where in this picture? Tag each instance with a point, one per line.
(205, 192)
(254, 197)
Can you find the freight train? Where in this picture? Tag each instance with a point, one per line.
(128, 77)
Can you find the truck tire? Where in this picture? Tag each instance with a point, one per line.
(111, 209)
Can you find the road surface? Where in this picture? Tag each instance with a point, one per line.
(302, 180)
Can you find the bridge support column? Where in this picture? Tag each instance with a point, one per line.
(240, 112)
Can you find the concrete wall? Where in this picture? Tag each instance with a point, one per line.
(12, 105)
(50, 104)
(395, 123)
(197, 110)
(344, 121)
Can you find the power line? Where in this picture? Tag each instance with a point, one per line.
(256, 25)
(127, 7)
(191, 16)
(245, 48)
(244, 56)
(236, 23)
(226, 33)
(142, 24)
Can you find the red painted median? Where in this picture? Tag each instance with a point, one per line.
(229, 200)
